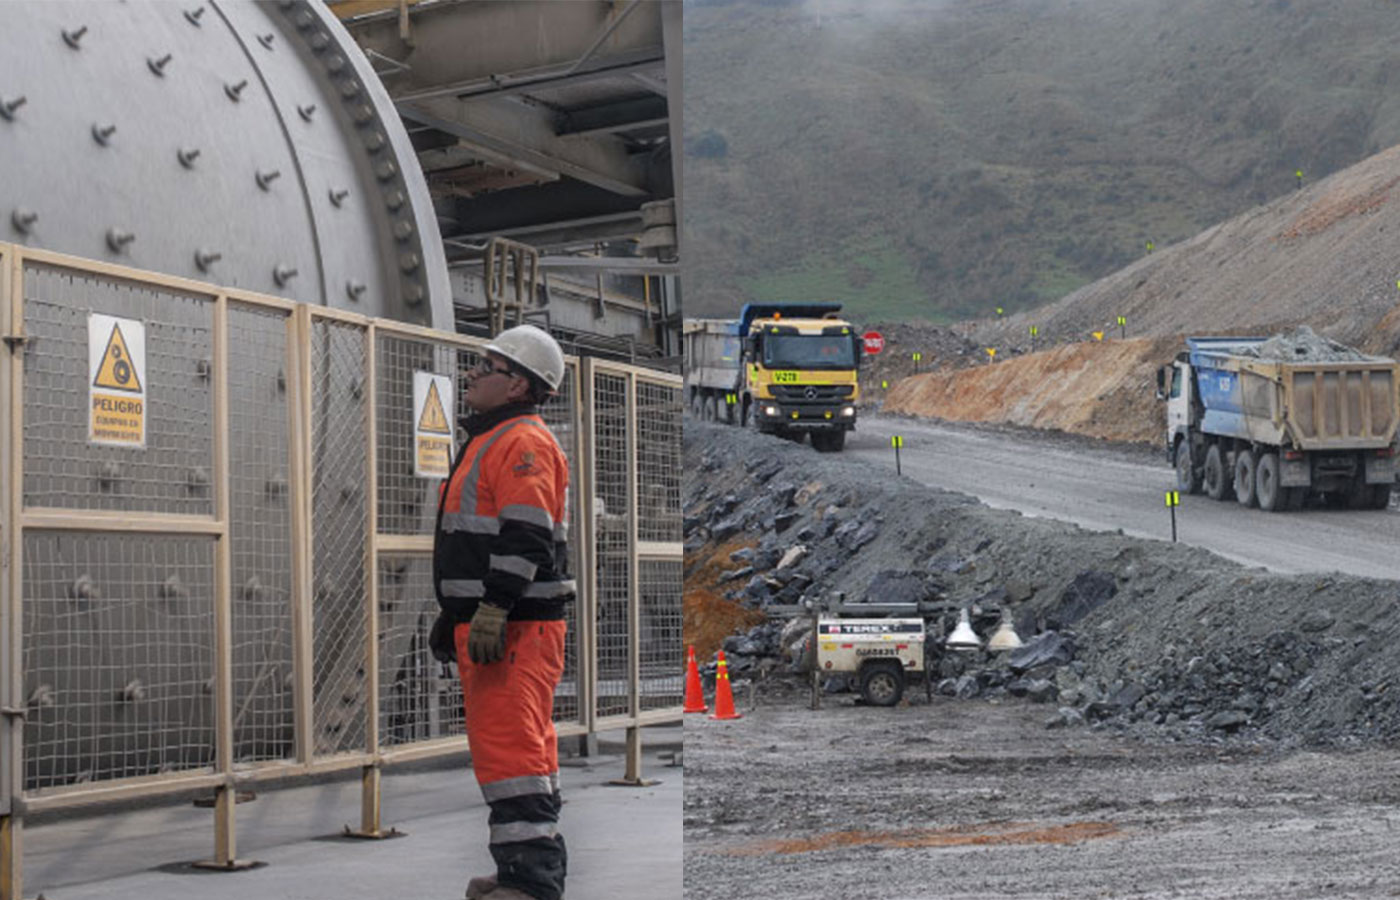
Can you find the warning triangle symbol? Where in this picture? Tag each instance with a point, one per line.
(433, 418)
(118, 371)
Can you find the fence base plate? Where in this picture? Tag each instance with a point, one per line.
(233, 865)
(372, 835)
(633, 782)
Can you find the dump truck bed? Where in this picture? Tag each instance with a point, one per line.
(712, 353)
(1313, 404)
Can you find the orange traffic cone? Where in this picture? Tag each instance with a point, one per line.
(694, 694)
(724, 696)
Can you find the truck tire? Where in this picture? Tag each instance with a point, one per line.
(1358, 496)
(881, 683)
(1267, 491)
(828, 441)
(1217, 486)
(1244, 478)
(709, 409)
(1380, 496)
(1188, 481)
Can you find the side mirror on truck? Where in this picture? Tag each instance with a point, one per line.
(1161, 382)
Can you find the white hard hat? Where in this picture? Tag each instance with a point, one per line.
(533, 350)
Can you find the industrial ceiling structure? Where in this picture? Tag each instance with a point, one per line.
(550, 124)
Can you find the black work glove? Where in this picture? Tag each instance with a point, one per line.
(486, 642)
(442, 641)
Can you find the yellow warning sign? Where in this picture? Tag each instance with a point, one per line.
(434, 457)
(432, 427)
(116, 381)
(116, 370)
(433, 419)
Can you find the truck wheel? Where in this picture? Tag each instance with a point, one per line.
(1217, 486)
(709, 409)
(1244, 477)
(1187, 481)
(1266, 487)
(828, 442)
(1358, 496)
(881, 683)
(1380, 496)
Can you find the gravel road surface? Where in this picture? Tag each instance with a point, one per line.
(1107, 487)
(956, 800)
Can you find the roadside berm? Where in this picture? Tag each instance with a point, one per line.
(1161, 640)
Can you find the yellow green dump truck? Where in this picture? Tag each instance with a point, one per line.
(781, 368)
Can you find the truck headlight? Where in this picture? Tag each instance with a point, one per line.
(848, 411)
(770, 410)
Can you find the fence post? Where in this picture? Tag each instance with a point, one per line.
(633, 774)
(299, 410)
(11, 583)
(226, 794)
(370, 774)
(587, 577)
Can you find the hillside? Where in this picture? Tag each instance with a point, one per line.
(1321, 256)
(933, 160)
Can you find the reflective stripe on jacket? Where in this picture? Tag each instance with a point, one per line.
(502, 521)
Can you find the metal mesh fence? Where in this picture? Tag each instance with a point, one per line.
(407, 504)
(172, 473)
(419, 698)
(660, 638)
(118, 656)
(658, 462)
(260, 525)
(559, 414)
(338, 522)
(118, 629)
(612, 528)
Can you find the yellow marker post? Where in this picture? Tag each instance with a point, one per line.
(1298, 174)
(1151, 246)
(1098, 335)
(916, 356)
(884, 385)
(1173, 501)
(991, 354)
(1000, 310)
(1122, 326)
(896, 442)
(1035, 330)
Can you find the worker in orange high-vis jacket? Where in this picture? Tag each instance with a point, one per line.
(501, 574)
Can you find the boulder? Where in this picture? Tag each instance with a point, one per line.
(1087, 592)
(1046, 648)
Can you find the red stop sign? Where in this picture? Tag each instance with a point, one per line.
(874, 342)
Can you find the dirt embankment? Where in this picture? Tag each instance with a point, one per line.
(1099, 389)
(1323, 257)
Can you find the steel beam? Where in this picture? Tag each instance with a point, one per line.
(528, 135)
(509, 38)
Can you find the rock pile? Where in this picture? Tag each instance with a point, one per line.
(1120, 632)
(1302, 344)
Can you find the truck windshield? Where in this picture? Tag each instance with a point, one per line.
(808, 351)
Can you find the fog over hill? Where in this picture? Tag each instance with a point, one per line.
(935, 160)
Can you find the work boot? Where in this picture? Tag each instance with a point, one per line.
(479, 887)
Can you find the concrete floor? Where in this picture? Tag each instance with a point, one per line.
(623, 842)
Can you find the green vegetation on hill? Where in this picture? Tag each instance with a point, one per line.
(931, 159)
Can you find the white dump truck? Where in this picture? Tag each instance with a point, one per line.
(1270, 420)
